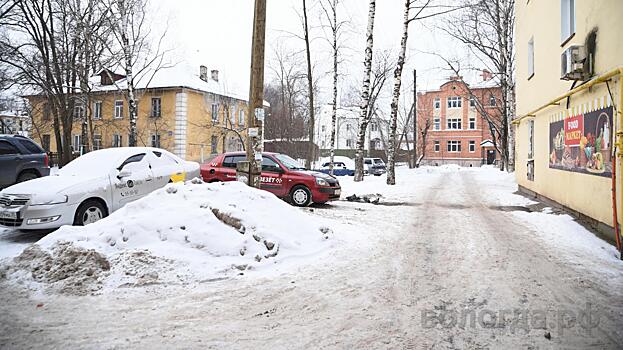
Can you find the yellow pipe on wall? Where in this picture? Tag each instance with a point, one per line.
(620, 156)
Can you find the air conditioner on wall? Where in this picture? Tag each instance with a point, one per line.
(572, 63)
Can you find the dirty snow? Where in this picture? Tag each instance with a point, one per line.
(444, 240)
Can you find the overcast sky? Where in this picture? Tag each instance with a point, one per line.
(217, 33)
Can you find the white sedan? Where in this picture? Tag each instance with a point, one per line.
(91, 187)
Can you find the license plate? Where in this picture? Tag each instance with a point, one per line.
(338, 192)
(8, 215)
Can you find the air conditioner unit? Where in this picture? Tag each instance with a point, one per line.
(572, 63)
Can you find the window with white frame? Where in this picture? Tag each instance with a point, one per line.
(232, 115)
(437, 103)
(156, 107)
(241, 117)
(436, 123)
(472, 123)
(567, 19)
(117, 140)
(436, 144)
(530, 139)
(492, 101)
(472, 146)
(97, 110)
(454, 102)
(454, 146)
(472, 101)
(213, 145)
(118, 109)
(348, 127)
(75, 145)
(155, 140)
(349, 143)
(374, 127)
(214, 113)
(323, 128)
(78, 109)
(530, 57)
(97, 142)
(454, 123)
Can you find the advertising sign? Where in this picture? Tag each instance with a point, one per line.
(582, 143)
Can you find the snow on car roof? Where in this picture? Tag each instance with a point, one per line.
(100, 161)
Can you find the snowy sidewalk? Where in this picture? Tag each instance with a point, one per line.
(438, 263)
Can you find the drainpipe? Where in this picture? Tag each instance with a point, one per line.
(619, 144)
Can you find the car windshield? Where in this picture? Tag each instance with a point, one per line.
(378, 161)
(289, 163)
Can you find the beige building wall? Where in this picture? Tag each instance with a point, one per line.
(540, 21)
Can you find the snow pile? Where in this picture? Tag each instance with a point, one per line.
(179, 233)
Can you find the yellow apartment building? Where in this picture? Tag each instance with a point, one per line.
(190, 113)
(569, 58)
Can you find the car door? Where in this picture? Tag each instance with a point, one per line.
(164, 168)
(134, 179)
(272, 177)
(9, 162)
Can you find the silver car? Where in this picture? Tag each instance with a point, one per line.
(91, 187)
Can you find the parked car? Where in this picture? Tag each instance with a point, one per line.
(339, 169)
(90, 187)
(21, 160)
(281, 175)
(374, 166)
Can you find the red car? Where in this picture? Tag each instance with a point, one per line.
(281, 175)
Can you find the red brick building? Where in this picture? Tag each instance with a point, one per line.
(452, 120)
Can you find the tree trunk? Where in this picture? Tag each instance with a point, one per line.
(127, 56)
(391, 157)
(311, 156)
(365, 94)
(334, 111)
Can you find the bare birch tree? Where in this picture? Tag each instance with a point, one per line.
(365, 93)
(423, 9)
(310, 86)
(486, 27)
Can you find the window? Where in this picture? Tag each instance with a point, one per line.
(436, 123)
(454, 102)
(454, 123)
(241, 117)
(133, 159)
(567, 20)
(6, 148)
(118, 109)
(530, 58)
(46, 111)
(323, 128)
(472, 146)
(374, 127)
(530, 139)
(232, 161)
(232, 116)
(45, 142)
(213, 144)
(117, 140)
(436, 143)
(214, 113)
(78, 109)
(454, 146)
(270, 165)
(155, 140)
(492, 100)
(347, 127)
(76, 143)
(29, 145)
(156, 107)
(472, 101)
(349, 143)
(97, 110)
(97, 142)
(472, 123)
(437, 103)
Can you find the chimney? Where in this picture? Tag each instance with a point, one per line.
(214, 75)
(456, 78)
(486, 75)
(203, 73)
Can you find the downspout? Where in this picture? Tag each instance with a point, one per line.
(619, 144)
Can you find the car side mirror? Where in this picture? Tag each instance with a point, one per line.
(124, 173)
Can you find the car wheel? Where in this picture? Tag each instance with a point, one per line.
(25, 176)
(300, 196)
(89, 212)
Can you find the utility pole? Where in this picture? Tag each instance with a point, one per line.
(255, 116)
(414, 118)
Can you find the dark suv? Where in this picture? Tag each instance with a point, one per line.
(21, 160)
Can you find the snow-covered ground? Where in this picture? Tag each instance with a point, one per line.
(442, 242)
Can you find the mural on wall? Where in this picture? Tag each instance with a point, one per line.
(582, 143)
